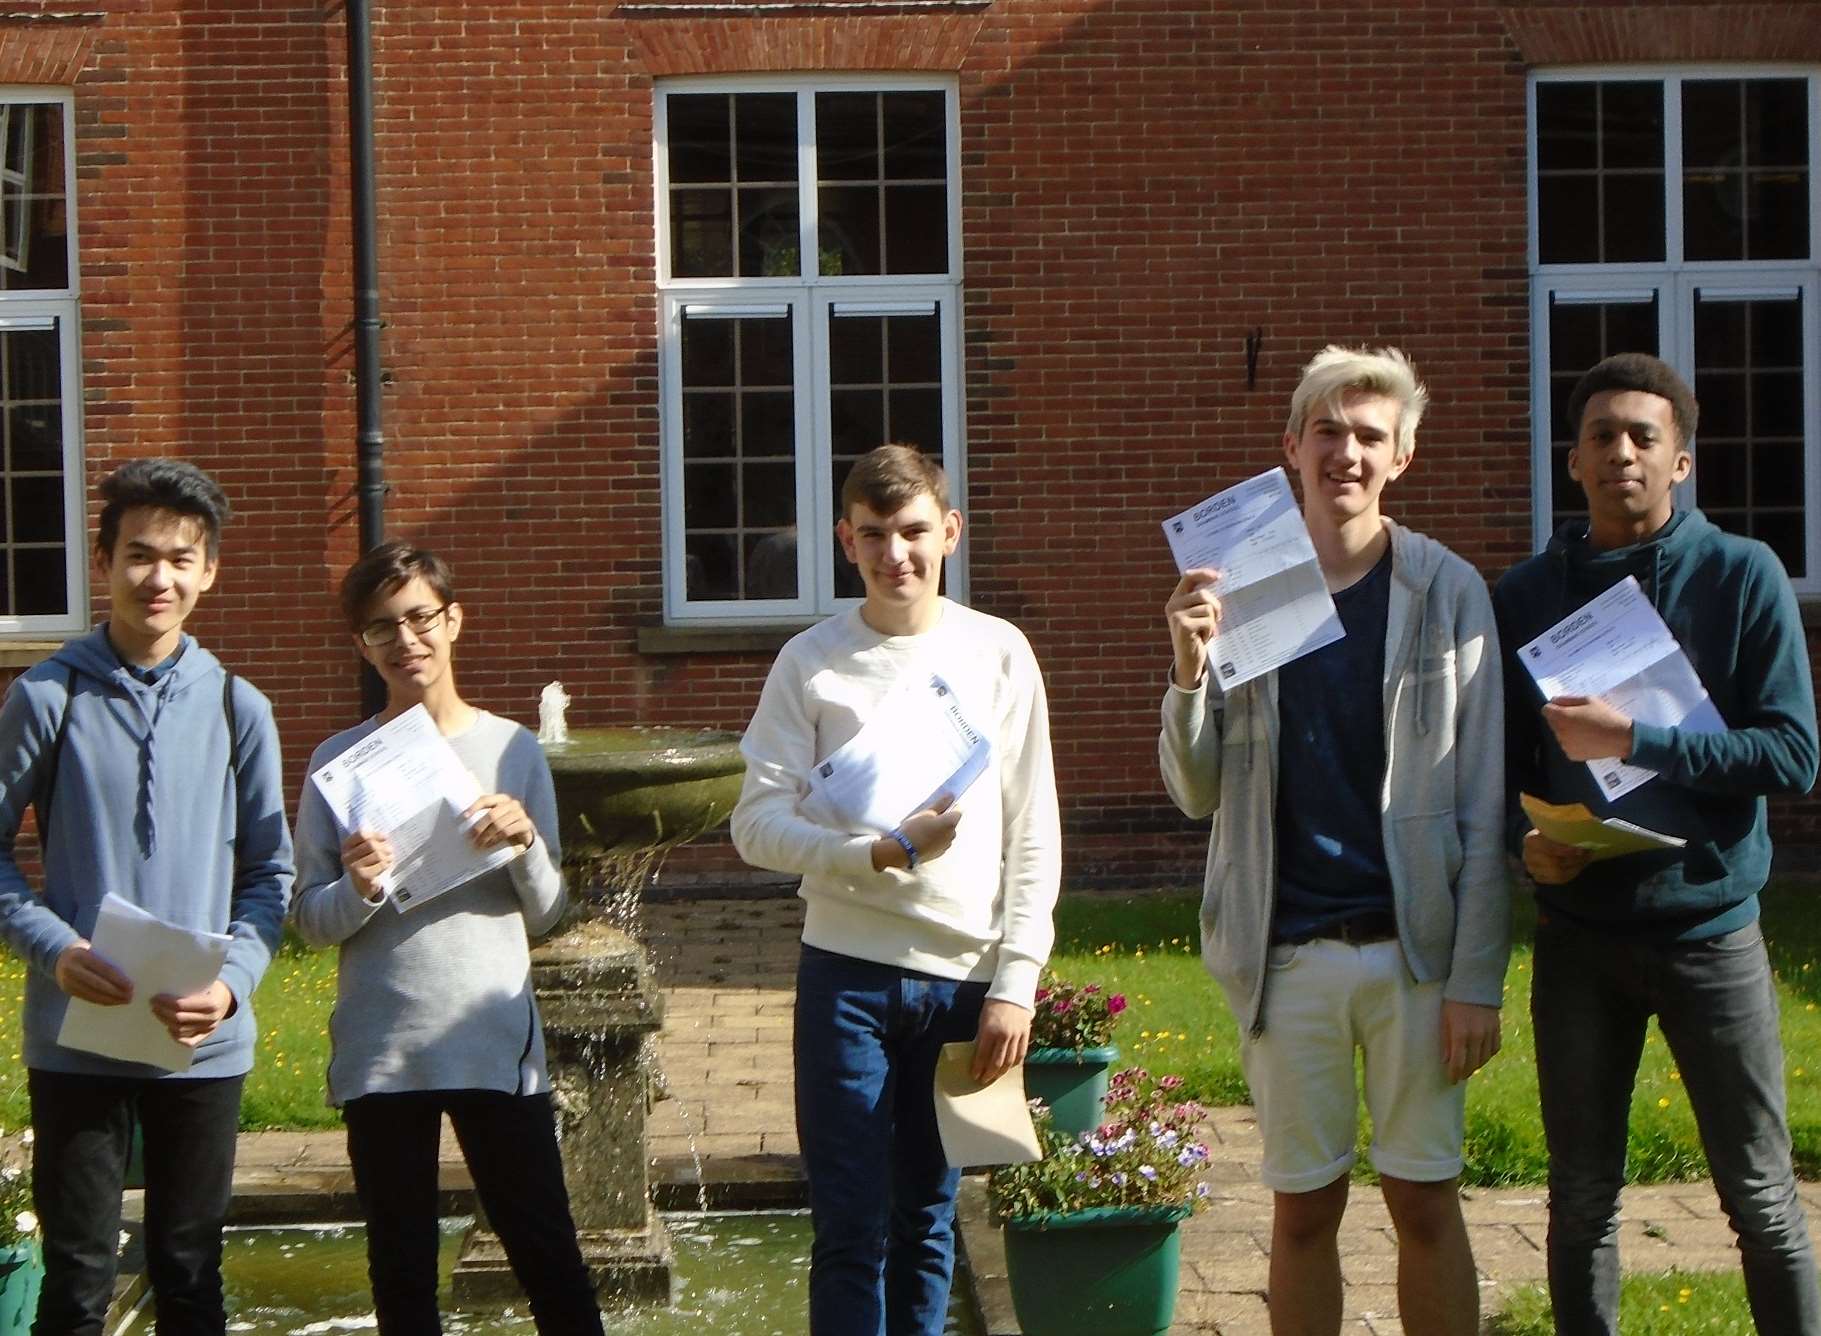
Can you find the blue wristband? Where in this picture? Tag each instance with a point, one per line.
(910, 850)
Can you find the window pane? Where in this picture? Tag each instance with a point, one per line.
(39, 582)
(856, 420)
(701, 136)
(847, 136)
(770, 243)
(915, 418)
(737, 155)
(916, 136)
(1745, 169)
(916, 229)
(915, 346)
(740, 456)
(849, 224)
(37, 510)
(1748, 360)
(1632, 218)
(882, 164)
(701, 233)
(765, 138)
(34, 218)
(1565, 209)
(1600, 171)
(856, 350)
(34, 437)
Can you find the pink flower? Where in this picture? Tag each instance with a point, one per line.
(1061, 1006)
(1115, 1004)
(1169, 1082)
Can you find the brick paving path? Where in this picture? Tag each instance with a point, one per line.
(726, 969)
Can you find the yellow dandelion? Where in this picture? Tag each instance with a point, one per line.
(1684, 1294)
(1663, 1103)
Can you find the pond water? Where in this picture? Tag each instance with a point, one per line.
(740, 1274)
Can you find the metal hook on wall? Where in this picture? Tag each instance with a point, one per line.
(1255, 338)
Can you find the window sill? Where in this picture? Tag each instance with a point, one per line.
(717, 639)
(27, 653)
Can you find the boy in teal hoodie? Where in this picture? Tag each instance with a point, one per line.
(1674, 932)
(156, 777)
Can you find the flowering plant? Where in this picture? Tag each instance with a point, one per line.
(17, 1222)
(1144, 1154)
(1073, 1015)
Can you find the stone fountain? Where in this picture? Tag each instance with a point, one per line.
(624, 796)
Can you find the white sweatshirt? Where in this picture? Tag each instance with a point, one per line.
(982, 909)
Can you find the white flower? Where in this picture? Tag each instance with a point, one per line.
(28, 1137)
(26, 1223)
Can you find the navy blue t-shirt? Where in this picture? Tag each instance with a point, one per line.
(1331, 770)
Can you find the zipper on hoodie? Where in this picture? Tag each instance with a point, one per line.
(1264, 974)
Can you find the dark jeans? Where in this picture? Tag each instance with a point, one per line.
(83, 1128)
(881, 1194)
(1591, 997)
(509, 1142)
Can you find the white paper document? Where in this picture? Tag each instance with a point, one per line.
(405, 781)
(158, 957)
(982, 1124)
(1618, 648)
(1274, 602)
(916, 747)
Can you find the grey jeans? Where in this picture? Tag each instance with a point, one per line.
(1591, 998)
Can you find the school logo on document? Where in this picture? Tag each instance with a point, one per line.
(1610, 779)
(826, 769)
(1536, 651)
(1228, 670)
(1175, 526)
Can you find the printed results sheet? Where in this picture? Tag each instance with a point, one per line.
(916, 747)
(1274, 602)
(1618, 648)
(405, 780)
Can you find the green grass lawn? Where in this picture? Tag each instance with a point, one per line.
(1667, 1303)
(1178, 1022)
(285, 1087)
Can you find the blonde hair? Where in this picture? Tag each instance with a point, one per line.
(1335, 370)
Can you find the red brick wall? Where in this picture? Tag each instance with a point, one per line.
(1145, 182)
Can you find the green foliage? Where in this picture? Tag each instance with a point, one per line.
(1669, 1303)
(1147, 947)
(1143, 1154)
(1070, 1015)
(17, 1222)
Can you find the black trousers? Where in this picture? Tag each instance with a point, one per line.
(83, 1129)
(509, 1142)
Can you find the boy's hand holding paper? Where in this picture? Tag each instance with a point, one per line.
(979, 1124)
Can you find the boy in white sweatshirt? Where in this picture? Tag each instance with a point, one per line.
(927, 934)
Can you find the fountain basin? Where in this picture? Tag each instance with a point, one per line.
(620, 790)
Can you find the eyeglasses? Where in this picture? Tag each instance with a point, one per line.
(385, 630)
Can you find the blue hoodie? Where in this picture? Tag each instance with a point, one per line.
(144, 807)
(1731, 607)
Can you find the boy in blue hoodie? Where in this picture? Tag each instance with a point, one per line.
(1674, 932)
(155, 775)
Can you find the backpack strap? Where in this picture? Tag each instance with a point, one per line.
(47, 777)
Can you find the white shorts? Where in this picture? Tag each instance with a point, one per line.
(1323, 1000)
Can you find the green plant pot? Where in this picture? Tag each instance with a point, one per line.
(21, 1272)
(1073, 1082)
(1110, 1271)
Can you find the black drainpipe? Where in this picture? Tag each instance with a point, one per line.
(370, 449)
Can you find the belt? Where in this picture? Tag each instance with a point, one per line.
(1374, 925)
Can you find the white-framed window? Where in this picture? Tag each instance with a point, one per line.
(809, 274)
(1675, 211)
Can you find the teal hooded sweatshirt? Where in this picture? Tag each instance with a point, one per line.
(1730, 606)
(145, 806)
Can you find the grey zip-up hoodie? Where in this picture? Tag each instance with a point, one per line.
(1442, 799)
(145, 807)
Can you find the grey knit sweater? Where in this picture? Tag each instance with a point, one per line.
(439, 998)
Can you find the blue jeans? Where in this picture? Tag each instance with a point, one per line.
(1591, 997)
(83, 1127)
(881, 1194)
